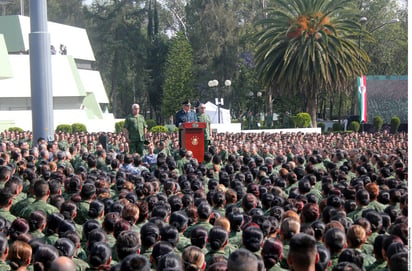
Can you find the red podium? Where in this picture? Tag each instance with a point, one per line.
(193, 138)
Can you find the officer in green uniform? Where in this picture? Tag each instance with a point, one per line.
(203, 117)
(41, 191)
(3, 253)
(6, 200)
(135, 128)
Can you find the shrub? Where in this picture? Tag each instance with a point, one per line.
(395, 123)
(337, 127)
(322, 126)
(171, 127)
(354, 125)
(150, 123)
(293, 121)
(378, 123)
(118, 126)
(79, 127)
(303, 120)
(66, 128)
(16, 129)
(244, 124)
(159, 129)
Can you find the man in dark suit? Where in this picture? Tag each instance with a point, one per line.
(184, 115)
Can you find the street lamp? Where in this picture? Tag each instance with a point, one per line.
(218, 101)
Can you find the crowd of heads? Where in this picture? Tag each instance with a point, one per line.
(257, 201)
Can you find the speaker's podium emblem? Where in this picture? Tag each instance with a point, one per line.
(195, 141)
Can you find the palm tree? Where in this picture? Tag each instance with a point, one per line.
(306, 46)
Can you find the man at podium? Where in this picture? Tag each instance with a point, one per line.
(185, 114)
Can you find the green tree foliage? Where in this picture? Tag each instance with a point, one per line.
(395, 123)
(120, 46)
(130, 46)
(156, 58)
(389, 45)
(378, 123)
(213, 31)
(243, 87)
(157, 53)
(66, 12)
(308, 45)
(178, 85)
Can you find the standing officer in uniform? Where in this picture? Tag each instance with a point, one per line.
(135, 128)
(203, 117)
(184, 115)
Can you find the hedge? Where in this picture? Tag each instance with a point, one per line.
(378, 123)
(303, 120)
(79, 127)
(119, 126)
(16, 129)
(395, 123)
(66, 128)
(355, 126)
(159, 129)
(337, 127)
(150, 123)
(322, 126)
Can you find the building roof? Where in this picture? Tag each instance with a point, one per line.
(16, 30)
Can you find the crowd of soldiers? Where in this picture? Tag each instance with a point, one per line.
(257, 201)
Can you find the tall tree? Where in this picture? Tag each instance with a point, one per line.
(386, 21)
(155, 61)
(212, 29)
(178, 85)
(309, 45)
(120, 45)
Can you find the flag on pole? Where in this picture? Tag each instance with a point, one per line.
(362, 99)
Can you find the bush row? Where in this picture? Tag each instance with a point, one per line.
(355, 125)
(301, 120)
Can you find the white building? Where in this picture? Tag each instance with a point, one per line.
(78, 92)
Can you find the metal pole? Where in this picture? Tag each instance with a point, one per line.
(40, 72)
(218, 112)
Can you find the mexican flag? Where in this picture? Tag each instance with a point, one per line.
(362, 99)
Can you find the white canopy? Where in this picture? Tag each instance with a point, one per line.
(212, 111)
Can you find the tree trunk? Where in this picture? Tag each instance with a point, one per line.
(312, 107)
(340, 105)
(331, 100)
